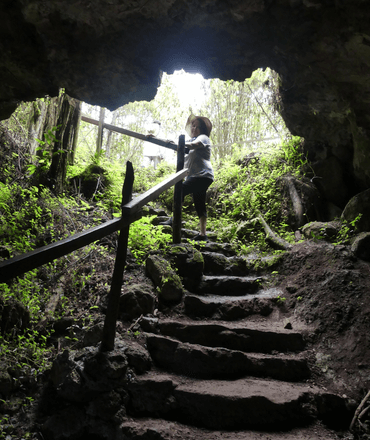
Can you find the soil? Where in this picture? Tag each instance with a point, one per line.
(328, 289)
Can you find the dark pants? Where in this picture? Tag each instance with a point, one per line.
(198, 187)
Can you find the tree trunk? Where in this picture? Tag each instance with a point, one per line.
(99, 141)
(76, 124)
(66, 131)
(110, 133)
(36, 124)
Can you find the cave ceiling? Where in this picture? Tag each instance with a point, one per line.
(111, 52)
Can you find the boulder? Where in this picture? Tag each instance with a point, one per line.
(136, 300)
(361, 246)
(93, 179)
(188, 262)
(69, 422)
(168, 283)
(66, 379)
(80, 377)
(13, 314)
(359, 204)
(187, 259)
(138, 358)
(6, 382)
(331, 182)
(321, 230)
(108, 367)
(105, 407)
(93, 335)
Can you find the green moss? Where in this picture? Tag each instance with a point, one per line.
(94, 179)
(172, 279)
(198, 257)
(178, 249)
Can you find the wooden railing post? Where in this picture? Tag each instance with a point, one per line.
(109, 330)
(177, 197)
(99, 140)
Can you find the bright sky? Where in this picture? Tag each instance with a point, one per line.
(190, 92)
(189, 87)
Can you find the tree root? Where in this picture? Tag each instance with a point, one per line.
(275, 241)
(296, 200)
(359, 412)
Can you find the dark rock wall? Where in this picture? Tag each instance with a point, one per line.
(110, 52)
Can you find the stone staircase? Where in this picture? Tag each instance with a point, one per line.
(227, 367)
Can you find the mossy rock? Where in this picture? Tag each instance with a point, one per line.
(94, 179)
(361, 246)
(189, 263)
(136, 300)
(187, 259)
(167, 281)
(327, 231)
(359, 204)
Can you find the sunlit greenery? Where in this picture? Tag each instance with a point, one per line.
(144, 238)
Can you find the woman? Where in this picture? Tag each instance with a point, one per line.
(200, 174)
(198, 161)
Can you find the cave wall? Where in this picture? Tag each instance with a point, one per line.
(110, 52)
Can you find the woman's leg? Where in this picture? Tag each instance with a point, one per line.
(198, 187)
(203, 225)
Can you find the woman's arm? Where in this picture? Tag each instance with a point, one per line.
(194, 145)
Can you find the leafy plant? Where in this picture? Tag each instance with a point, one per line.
(293, 152)
(44, 152)
(145, 237)
(347, 230)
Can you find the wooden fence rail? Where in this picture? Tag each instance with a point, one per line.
(143, 137)
(31, 260)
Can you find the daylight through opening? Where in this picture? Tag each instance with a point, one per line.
(245, 117)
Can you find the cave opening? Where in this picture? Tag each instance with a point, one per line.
(245, 117)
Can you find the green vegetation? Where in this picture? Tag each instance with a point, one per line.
(249, 185)
(145, 237)
(347, 230)
(280, 300)
(43, 152)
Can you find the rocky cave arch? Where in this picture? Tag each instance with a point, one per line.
(110, 52)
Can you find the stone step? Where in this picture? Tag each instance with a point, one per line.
(229, 285)
(231, 307)
(212, 237)
(243, 336)
(212, 246)
(217, 363)
(146, 428)
(216, 263)
(237, 404)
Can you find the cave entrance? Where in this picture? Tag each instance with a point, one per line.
(245, 117)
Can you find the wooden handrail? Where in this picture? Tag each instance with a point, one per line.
(163, 143)
(130, 212)
(139, 201)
